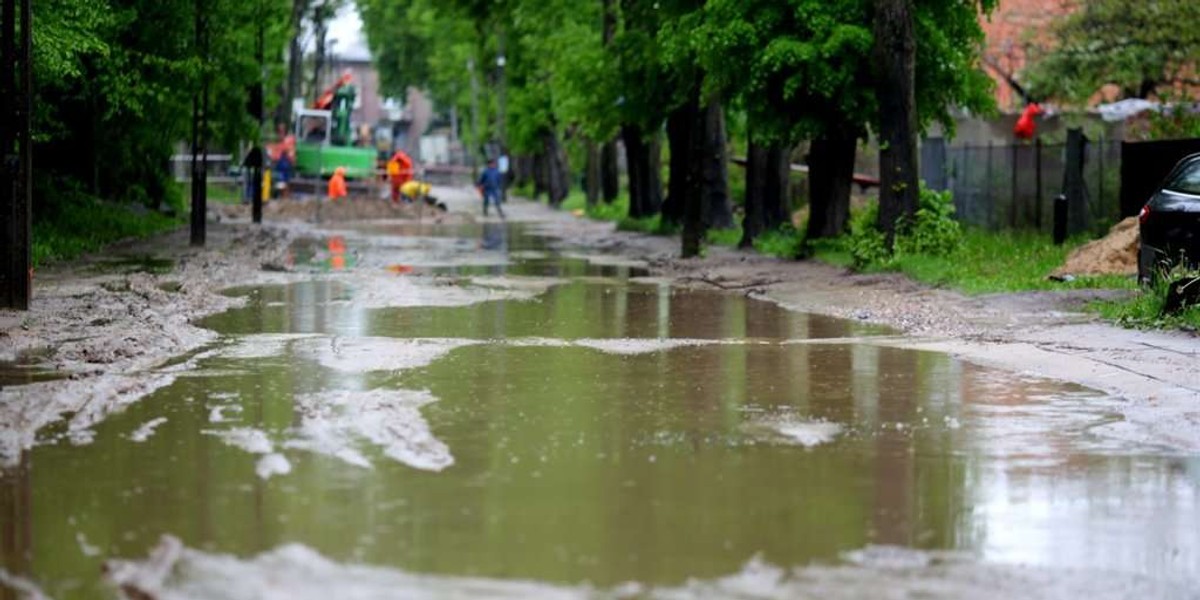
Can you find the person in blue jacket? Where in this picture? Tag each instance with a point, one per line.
(491, 186)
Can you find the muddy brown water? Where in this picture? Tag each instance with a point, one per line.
(781, 435)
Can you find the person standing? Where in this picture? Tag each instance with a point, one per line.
(400, 172)
(490, 186)
(337, 184)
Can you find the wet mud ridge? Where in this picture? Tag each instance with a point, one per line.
(485, 408)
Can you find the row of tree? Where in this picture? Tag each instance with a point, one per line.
(823, 71)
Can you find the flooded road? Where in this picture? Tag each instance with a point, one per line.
(469, 410)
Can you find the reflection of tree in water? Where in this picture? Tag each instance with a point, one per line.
(16, 523)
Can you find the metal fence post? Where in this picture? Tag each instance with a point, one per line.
(1060, 219)
(987, 185)
(1012, 209)
(1074, 185)
(1037, 169)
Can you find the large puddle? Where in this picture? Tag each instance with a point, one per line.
(598, 430)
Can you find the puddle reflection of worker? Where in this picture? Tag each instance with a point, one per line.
(337, 253)
(494, 237)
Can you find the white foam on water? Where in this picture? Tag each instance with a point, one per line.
(796, 430)
(365, 354)
(263, 345)
(144, 432)
(335, 423)
(272, 464)
(295, 571)
(26, 589)
(372, 291)
(251, 440)
(632, 346)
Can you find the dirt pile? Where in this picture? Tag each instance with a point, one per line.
(1113, 254)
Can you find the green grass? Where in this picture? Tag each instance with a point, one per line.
(1145, 309)
(725, 237)
(618, 212)
(984, 262)
(84, 224)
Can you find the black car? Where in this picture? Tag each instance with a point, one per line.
(1170, 222)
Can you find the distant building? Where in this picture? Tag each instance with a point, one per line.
(1008, 31)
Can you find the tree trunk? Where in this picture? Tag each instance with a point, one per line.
(714, 165)
(591, 175)
(767, 189)
(539, 175)
(686, 175)
(680, 124)
(776, 209)
(610, 180)
(830, 177)
(522, 170)
(558, 178)
(895, 57)
(753, 222)
(652, 197)
(643, 158)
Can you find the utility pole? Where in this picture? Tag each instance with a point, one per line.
(474, 109)
(257, 101)
(501, 91)
(16, 153)
(200, 130)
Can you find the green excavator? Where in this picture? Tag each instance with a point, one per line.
(324, 137)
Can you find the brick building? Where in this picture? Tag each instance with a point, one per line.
(1009, 30)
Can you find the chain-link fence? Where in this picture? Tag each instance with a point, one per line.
(1013, 186)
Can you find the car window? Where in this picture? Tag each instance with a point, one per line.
(1187, 180)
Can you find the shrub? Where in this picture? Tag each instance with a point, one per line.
(932, 231)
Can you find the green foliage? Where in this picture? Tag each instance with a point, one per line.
(724, 237)
(1140, 47)
(83, 223)
(1145, 308)
(785, 242)
(868, 245)
(931, 232)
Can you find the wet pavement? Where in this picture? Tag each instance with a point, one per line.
(523, 412)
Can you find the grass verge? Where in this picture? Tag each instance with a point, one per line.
(984, 262)
(1145, 309)
(85, 224)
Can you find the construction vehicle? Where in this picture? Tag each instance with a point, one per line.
(325, 139)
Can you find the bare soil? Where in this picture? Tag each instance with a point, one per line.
(108, 330)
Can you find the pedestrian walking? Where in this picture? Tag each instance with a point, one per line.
(490, 186)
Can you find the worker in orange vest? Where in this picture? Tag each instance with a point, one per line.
(337, 184)
(400, 172)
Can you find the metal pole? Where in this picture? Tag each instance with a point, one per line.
(501, 92)
(987, 184)
(1100, 170)
(1037, 170)
(199, 135)
(474, 110)
(16, 109)
(1012, 209)
(256, 196)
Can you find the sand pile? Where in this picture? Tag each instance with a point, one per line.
(1113, 254)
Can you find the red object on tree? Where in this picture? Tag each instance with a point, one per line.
(1026, 126)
